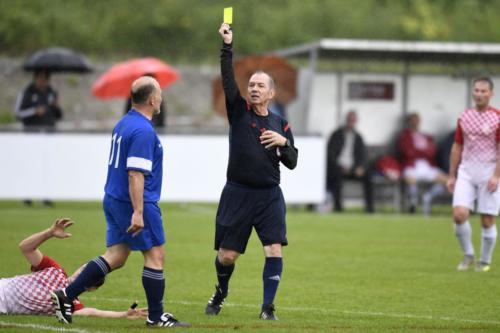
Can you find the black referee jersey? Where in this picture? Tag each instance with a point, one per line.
(250, 163)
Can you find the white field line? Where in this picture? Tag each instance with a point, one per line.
(326, 311)
(45, 327)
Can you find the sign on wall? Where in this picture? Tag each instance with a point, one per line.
(370, 90)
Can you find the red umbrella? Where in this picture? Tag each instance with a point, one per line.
(116, 81)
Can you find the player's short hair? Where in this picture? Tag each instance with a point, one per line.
(272, 84)
(410, 116)
(486, 79)
(351, 111)
(141, 94)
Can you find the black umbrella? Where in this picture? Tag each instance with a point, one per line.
(57, 59)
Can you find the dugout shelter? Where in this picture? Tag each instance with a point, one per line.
(385, 80)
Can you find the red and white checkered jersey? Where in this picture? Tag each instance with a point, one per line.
(30, 293)
(479, 133)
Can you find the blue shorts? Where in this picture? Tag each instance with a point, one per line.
(118, 216)
(242, 208)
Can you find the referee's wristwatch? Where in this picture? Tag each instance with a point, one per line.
(288, 144)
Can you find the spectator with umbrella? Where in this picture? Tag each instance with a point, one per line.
(38, 105)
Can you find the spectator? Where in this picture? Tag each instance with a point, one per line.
(418, 158)
(38, 108)
(347, 160)
(444, 150)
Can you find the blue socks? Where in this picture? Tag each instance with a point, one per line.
(223, 274)
(94, 272)
(271, 277)
(154, 286)
(152, 281)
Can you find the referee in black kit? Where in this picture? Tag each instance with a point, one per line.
(258, 142)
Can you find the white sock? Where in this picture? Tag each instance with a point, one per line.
(488, 240)
(413, 194)
(464, 235)
(436, 189)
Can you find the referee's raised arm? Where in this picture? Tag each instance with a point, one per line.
(229, 84)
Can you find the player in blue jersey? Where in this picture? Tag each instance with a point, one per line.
(134, 222)
(258, 141)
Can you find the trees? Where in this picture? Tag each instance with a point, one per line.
(186, 30)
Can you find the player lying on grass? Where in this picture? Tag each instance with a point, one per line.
(30, 293)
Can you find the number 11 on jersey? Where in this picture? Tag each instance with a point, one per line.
(113, 142)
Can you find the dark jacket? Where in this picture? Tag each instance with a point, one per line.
(335, 145)
(30, 99)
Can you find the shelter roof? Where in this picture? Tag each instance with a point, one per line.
(414, 51)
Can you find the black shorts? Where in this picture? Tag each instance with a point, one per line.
(241, 208)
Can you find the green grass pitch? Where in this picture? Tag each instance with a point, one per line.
(342, 273)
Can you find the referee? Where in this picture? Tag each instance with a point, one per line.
(258, 141)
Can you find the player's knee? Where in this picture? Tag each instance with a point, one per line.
(487, 221)
(410, 180)
(460, 215)
(273, 250)
(159, 257)
(155, 257)
(117, 262)
(115, 259)
(227, 258)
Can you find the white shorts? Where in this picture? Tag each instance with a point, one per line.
(422, 171)
(3, 303)
(466, 192)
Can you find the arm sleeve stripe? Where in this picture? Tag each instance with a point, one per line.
(20, 114)
(139, 163)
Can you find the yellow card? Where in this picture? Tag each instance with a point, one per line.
(228, 15)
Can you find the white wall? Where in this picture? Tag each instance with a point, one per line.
(74, 166)
(495, 101)
(296, 109)
(323, 104)
(377, 118)
(438, 99)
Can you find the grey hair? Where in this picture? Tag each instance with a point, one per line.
(272, 84)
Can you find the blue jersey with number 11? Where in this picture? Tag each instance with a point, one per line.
(134, 146)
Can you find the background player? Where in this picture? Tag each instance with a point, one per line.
(30, 293)
(475, 155)
(259, 140)
(133, 188)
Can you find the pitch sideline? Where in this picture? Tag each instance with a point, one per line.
(311, 309)
(46, 328)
